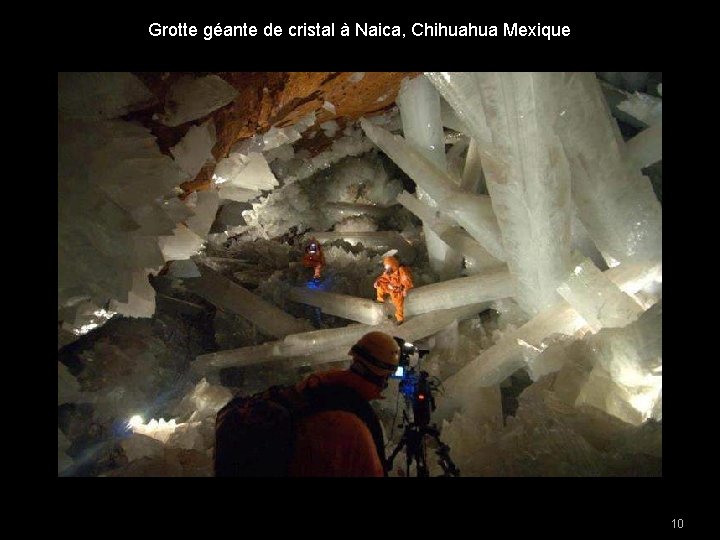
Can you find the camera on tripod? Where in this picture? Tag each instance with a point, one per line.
(417, 388)
(414, 383)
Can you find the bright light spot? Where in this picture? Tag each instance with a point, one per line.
(524, 343)
(645, 401)
(219, 179)
(612, 263)
(159, 430)
(408, 344)
(563, 113)
(85, 328)
(135, 421)
(578, 269)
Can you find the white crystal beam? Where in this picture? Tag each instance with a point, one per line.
(234, 298)
(449, 233)
(645, 148)
(473, 178)
(419, 105)
(192, 98)
(596, 298)
(320, 346)
(510, 115)
(473, 212)
(450, 294)
(363, 310)
(516, 348)
(615, 202)
(455, 293)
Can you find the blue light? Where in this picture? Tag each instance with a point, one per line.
(408, 384)
(319, 284)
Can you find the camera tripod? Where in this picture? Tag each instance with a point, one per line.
(413, 439)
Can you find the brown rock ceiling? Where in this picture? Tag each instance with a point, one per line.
(279, 99)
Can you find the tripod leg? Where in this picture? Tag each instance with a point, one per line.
(422, 467)
(395, 452)
(446, 463)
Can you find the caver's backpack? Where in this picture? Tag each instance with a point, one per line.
(254, 436)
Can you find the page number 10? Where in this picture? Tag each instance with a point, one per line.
(677, 523)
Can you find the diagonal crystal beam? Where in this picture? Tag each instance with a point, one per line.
(473, 212)
(615, 202)
(519, 347)
(322, 346)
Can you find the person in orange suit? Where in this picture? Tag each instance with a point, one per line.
(314, 258)
(396, 281)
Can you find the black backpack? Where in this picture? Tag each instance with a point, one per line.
(254, 436)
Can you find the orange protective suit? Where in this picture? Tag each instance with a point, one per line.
(314, 257)
(395, 281)
(336, 443)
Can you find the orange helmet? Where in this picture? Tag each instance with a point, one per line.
(378, 353)
(392, 262)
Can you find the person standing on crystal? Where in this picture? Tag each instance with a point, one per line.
(314, 258)
(396, 281)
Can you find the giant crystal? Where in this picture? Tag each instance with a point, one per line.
(141, 298)
(615, 202)
(451, 234)
(100, 96)
(111, 177)
(337, 211)
(321, 346)
(193, 150)
(419, 105)
(519, 347)
(192, 98)
(249, 172)
(205, 206)
(645, 148)
(636, 109)
(597, 299)
(626, 379)
(473, 212)
(473, 178)
(510, 115)
(362, 310)
(450, 294)
(490, 285)
(230, 296)
(181, 245)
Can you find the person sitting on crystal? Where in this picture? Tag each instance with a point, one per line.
(396, 281)
(314, 258)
